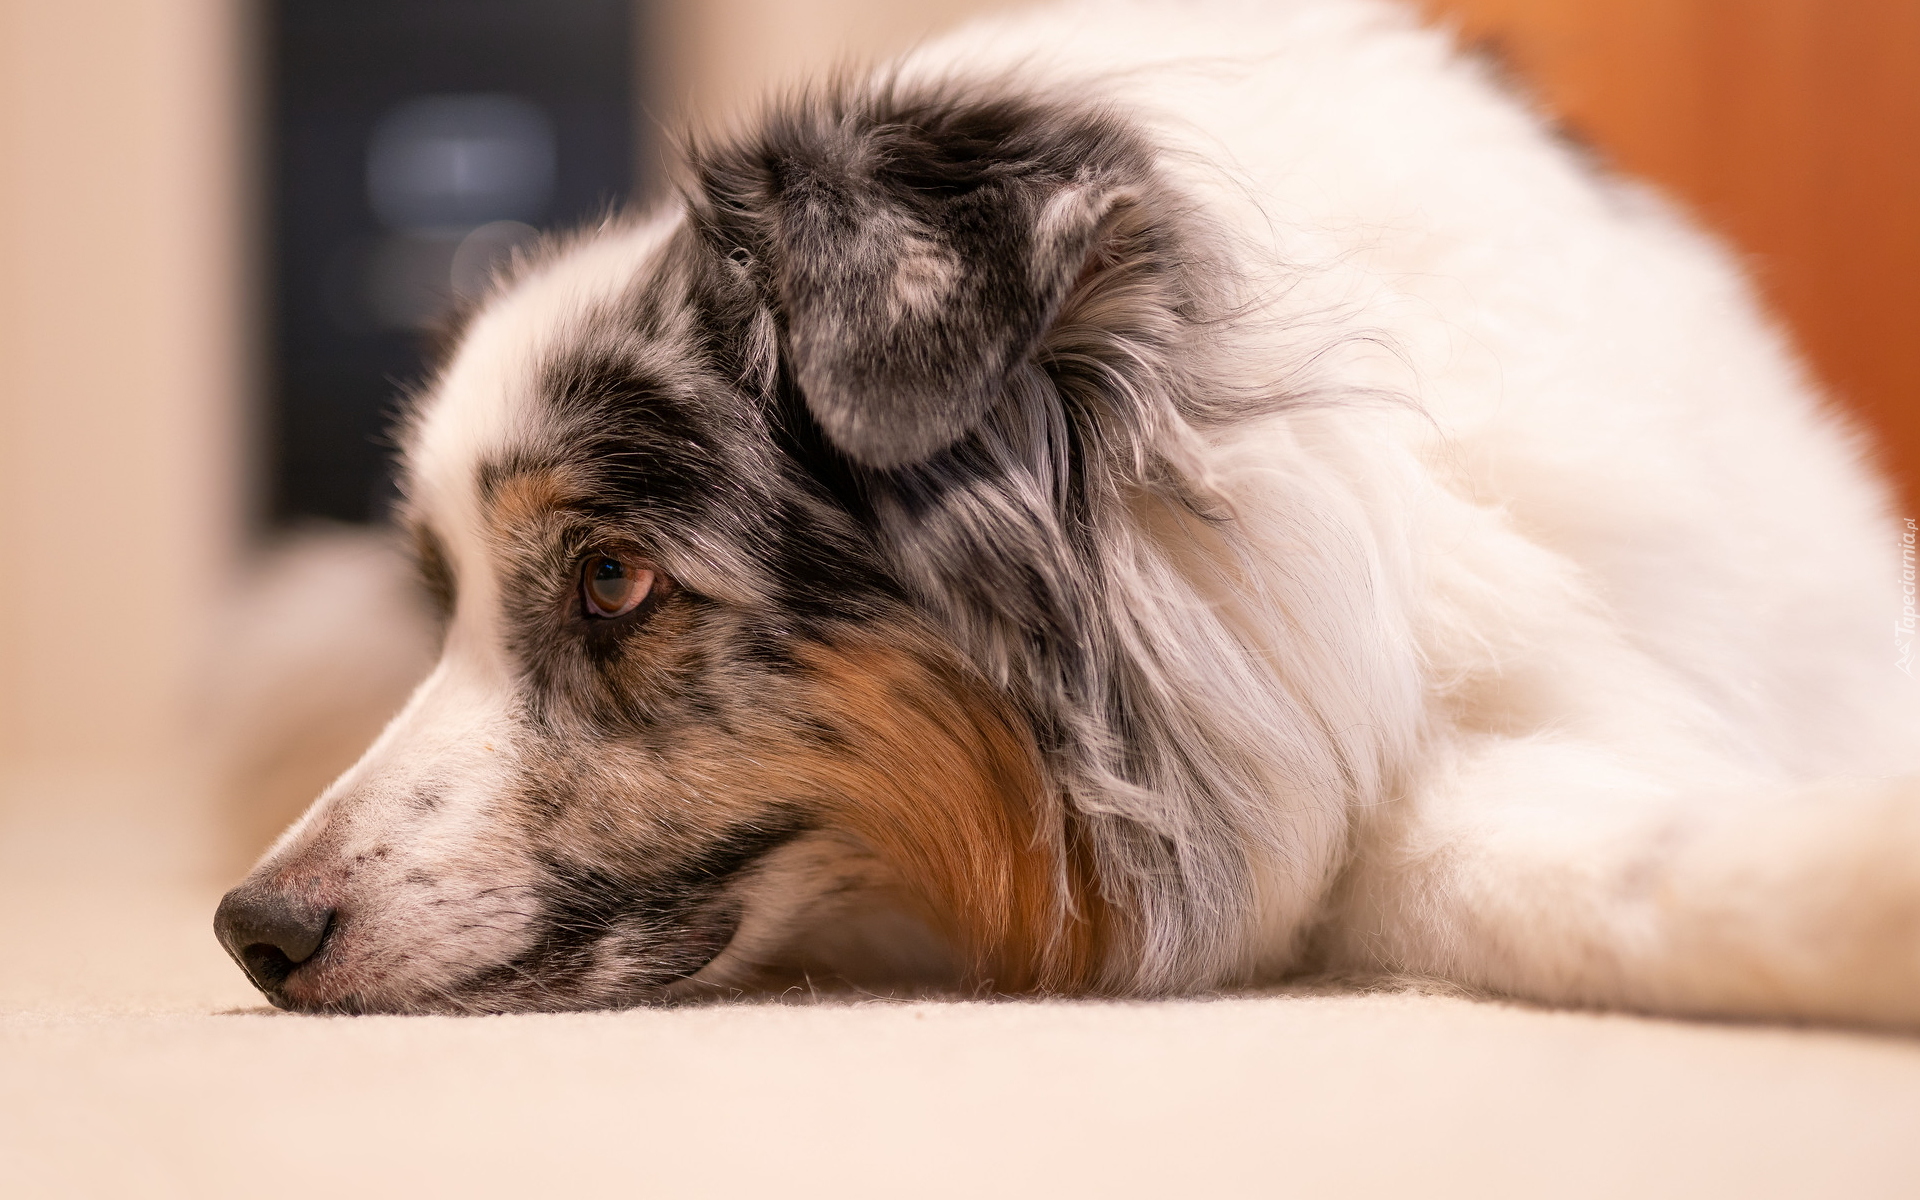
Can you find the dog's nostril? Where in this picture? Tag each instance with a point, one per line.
(268, 966)
(270, 932)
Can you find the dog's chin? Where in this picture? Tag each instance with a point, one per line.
(597, 978)
(477, 998)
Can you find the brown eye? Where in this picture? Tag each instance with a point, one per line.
(613, 587)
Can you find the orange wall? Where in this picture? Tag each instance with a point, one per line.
(1792, 126)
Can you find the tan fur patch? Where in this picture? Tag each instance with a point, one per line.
(942, 783)
(524, 498)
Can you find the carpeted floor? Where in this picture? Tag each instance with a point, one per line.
(134, 1061)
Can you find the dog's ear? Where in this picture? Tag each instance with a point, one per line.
(917, 260)
(906, 310)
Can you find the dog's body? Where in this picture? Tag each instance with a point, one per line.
(1136, 500)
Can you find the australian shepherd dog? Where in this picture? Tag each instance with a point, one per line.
(1130, 501)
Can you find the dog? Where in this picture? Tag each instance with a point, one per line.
(1132, 500)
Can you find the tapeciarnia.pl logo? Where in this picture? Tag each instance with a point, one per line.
(1903, 629)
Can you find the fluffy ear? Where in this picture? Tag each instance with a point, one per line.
(917, 255)
(906, 312)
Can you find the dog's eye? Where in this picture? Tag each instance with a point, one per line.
(613, 586)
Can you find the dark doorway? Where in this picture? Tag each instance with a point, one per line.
(412, 144)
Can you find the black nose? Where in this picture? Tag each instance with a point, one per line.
(270, 932)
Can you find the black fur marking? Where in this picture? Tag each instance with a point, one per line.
(620, 937)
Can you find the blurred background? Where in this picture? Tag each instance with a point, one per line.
(228, 230)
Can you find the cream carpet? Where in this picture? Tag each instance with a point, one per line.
(134, 1061)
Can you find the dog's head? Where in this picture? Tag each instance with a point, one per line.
(763, 531)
